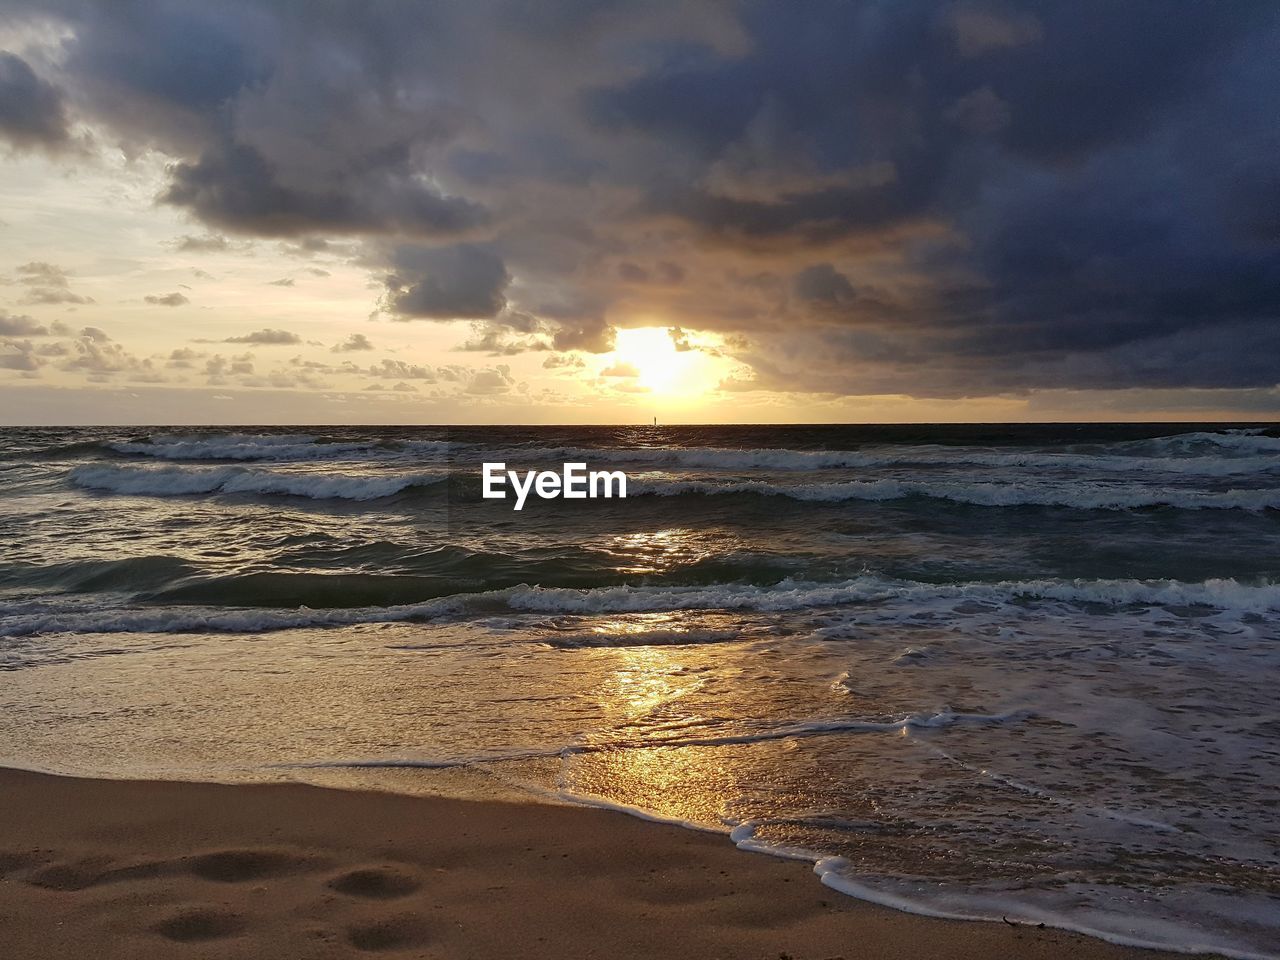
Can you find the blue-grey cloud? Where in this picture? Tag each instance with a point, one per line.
(445, 283)
(32, 111)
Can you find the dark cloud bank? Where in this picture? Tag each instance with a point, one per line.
(953, 199)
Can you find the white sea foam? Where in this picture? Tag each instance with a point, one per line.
(1078, 495)
(254, 439)
(188, 481)
(1227, 595)
(1063, 910)
(1203, 442)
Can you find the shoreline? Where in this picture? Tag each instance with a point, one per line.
(131, 868)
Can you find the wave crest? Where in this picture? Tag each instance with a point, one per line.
(1227, 595)
(190, 481)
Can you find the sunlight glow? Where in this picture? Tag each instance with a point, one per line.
(647, 358)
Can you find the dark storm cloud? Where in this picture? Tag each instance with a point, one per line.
(954, 198)
(237, 188)
(663, 272)
(32, 112)
(824, 284)
(445, 283)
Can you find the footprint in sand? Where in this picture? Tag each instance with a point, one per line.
(375, 883)
(391, 933)
(194, 924)
(82, 874)
(14, 860)
(239, 866)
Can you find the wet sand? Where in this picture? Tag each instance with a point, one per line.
(102, 869)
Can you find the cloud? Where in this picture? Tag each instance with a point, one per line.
(502, 337)
(167, 300)
(183, 358)
(446, 283)
(490, 381)
(235, 186)
(219, 369)
(12, 325)
(663, 272)
(32, 111)
(19, 355)
(266, 337)
(935, 199)
(355, 341)
(308, 247)
(282, 282)
(101, 360)
(208, 243)
(620, 369)
(400, 370)
(47, 284)
(680, 340)
(823, 284)
(979, 29)
(590, 335)
(563, 361)
(981, 111)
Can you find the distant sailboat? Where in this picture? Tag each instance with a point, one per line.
(655, 421)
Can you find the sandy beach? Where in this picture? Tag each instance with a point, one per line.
(106, 869)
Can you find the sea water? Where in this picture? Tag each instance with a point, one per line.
(974, 671)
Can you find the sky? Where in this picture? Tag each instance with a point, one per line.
(312, 211)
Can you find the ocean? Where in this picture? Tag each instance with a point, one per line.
(976, 671)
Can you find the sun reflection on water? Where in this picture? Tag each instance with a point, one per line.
(651, 696)
(657, 551)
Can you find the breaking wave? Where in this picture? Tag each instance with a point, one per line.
(1227, 595)
(189, 481)
(1204, 443)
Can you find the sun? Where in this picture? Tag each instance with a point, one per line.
(665, 365)
(658, 365)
